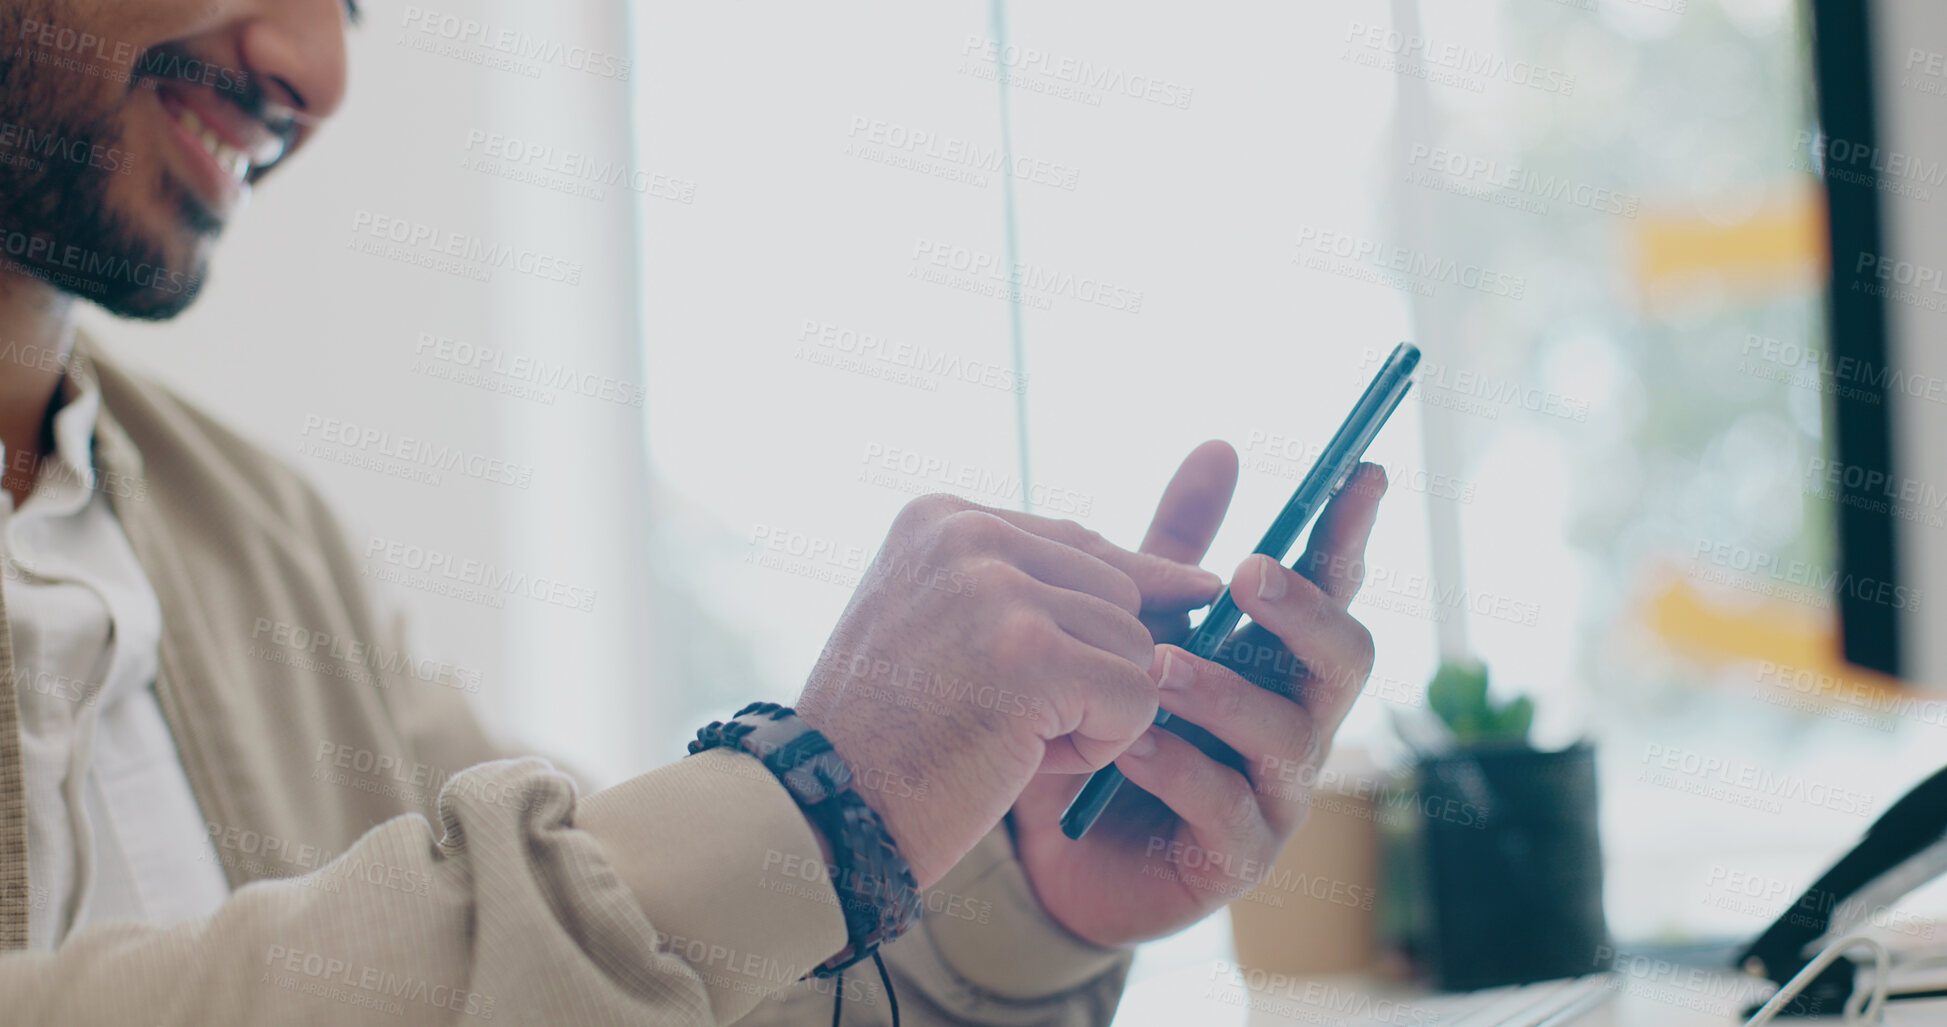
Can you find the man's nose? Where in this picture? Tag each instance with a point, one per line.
(295, 49)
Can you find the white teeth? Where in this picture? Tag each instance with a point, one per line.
(227, 157)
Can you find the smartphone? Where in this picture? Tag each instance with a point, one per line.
(1327, 476)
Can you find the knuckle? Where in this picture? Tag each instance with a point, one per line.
(1354, 577)
(973, 531)
(1302, 615)
(1025, 637)
(1138, 637)
(932, 506)
(1237, 808)
(1314, 604)
(999, 579)
(1077, 535)
(1142, 693)
(1223, 696)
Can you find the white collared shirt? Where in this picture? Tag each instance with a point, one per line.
(113, 830)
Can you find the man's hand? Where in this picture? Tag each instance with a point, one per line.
(984, 647)
(1221, 788)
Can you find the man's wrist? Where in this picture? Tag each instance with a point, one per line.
(873, 884)
(709, 846)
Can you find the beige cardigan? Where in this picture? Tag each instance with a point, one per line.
(691, 894)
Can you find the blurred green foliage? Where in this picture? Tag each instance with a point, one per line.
(1458, 695)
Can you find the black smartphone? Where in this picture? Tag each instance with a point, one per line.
(1327, 476)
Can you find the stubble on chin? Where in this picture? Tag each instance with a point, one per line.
(59, 219)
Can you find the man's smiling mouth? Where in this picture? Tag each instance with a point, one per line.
(222, 138)
(227, 157)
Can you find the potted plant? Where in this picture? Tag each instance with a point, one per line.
(1506, 856)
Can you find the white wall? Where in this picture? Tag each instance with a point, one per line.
(837, 150)
(297, 324)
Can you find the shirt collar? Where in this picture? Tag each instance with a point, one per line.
(66, 477)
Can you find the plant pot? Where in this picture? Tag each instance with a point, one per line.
(1314, 912)
(1511, 866)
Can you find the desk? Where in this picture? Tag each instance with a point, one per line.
(1189, 979)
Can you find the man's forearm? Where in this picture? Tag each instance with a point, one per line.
(512, 911)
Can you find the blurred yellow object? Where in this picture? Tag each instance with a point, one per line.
(1779, 248)
(1795, 637)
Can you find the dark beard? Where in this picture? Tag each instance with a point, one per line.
(55, 220)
